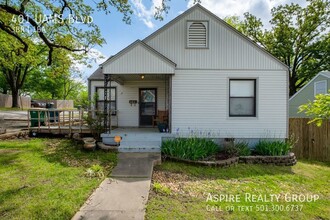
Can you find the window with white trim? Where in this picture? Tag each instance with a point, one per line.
(112, 104)
(242, 97)
(197, 34)
(320, 87)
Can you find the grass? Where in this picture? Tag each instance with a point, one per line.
(184, 191)
(46, 178)
(12, 109)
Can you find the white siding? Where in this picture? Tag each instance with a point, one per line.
(138, 60)
(128, 116)
(201, 98)
(226, 49)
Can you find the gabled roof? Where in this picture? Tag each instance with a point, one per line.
(325, 74)
(139, 62)
(200, 7)
(97, 75)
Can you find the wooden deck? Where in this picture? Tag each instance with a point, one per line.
(54, 121)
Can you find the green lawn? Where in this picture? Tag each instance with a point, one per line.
(182, 191)
(45, 178)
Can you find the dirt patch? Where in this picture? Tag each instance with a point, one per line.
(178, 183)
(9, 151)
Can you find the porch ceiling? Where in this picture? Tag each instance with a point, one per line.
(122, 78)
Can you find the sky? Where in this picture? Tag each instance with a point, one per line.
(119, 35)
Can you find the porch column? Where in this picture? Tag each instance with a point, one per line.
(107, 101)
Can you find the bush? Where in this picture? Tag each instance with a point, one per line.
(237, 149)
(273, 148)
(192, 148)
(243, 148)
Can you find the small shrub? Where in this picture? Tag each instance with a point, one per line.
(192, 148)
(273, 148)
(95, 171)
(237, 149)
(243, 148)
(231, 150)
(95, 124)
(159, 188)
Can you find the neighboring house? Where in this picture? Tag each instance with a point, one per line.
(320, 84)
(210, 77)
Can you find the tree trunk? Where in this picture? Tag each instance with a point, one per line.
(15, 98)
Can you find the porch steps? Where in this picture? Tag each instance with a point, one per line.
(136, 139)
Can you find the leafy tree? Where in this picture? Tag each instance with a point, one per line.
(30, 28)
(319, 109)
(56, 23)
(3, 84)
(15, 67)
(299, 37)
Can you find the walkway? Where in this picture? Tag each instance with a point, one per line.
(125, 194)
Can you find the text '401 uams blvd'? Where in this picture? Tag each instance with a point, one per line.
(54, 19)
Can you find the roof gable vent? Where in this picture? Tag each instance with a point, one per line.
(197, 34)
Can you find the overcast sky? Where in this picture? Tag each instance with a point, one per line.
(119, 35)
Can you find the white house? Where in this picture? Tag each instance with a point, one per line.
(210, 78)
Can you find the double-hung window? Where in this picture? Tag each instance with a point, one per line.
(242, 97)
(112, 104)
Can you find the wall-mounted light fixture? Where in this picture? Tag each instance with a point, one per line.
(142, 76)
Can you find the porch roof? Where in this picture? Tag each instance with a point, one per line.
(138, 58)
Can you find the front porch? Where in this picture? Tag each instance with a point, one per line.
(136, 139)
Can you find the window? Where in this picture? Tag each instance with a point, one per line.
(113, 103)
(197, 34)
(320, 87)
(242, 98)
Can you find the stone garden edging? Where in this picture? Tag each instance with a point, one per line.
(286, 160)
(218, 163)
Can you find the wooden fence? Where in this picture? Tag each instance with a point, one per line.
(312, 142)
(6, 101)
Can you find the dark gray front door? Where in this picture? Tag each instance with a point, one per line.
(148, 106)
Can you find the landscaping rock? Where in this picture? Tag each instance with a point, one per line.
(217, 163)
(286, 160)
(107, 147)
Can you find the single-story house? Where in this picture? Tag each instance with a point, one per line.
(320, 84)
(210, 78)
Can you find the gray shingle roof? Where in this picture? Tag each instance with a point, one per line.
(97, 75)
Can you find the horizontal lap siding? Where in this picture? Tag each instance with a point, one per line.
(136, 61)
(200, 102)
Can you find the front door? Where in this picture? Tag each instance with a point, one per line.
(148, 106)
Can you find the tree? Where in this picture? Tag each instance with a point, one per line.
(15, 67)
(55, 21)
(3, 84)
(29, 28)
(319, 109)
(299, 37)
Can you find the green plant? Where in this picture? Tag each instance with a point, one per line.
(95, 171)
(159, 188)
(273, 148)
(231, 150)
(240, 148)
(191, 148)
(95, 124)
(243, 148)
